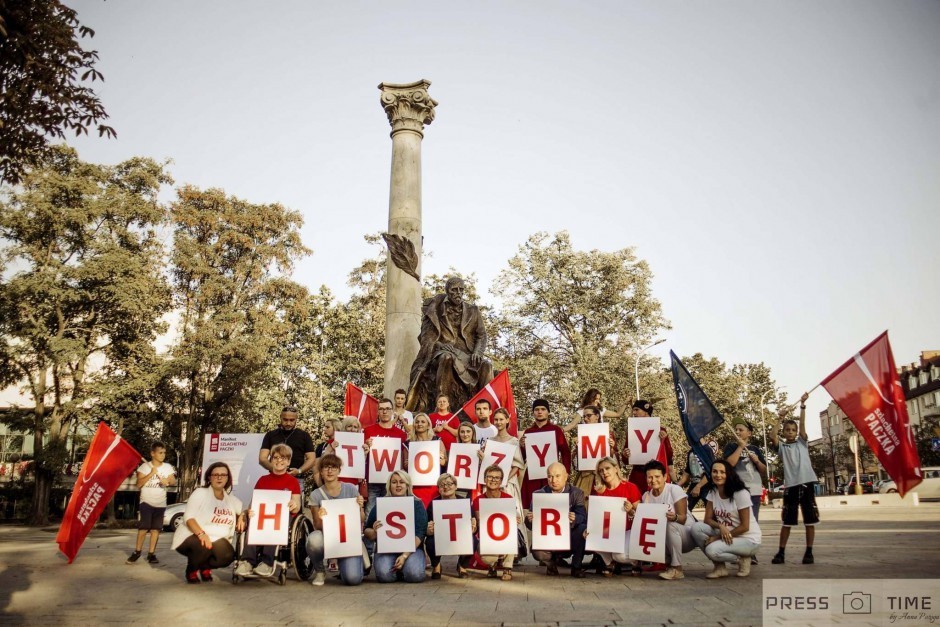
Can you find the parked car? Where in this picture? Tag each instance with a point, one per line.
(929, 488)
(868, 486)
(173, 516)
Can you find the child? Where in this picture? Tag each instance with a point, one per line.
(798, 480)
(153, 477)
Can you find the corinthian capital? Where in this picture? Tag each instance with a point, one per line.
(408, 107)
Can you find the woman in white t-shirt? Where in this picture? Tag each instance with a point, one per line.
(212, 515)
(679, 538)
(730, 532)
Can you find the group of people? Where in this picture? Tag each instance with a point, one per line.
(727, 533)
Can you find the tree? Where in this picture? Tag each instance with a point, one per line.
(231, 260)
(43, 90)
(571, 320)
(84, 285)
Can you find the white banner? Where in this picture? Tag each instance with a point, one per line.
(498, 528)
(541, 451)
(453, 534)
(606, 524)
(271, 517)
(593, 444)
(643, 440)
(384, 458)
(551, 529)
(240, 451)
(500, 454)
(648, 535)
(342, 535)
(464, 463)
(349, 450)
(397, 533)
(424, 462)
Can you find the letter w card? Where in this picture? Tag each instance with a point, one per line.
(551, 529)
(453, 534)
(270, 517)
(397, 533)
(341, 528)
(648, 535)
(497, 526)
(593, 444)
(607, 524)
(643, 440)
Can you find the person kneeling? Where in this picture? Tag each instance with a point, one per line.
(407, 566)
(259, 560)
(729, 531)
(679, 538)
(350, 568)
(577, 518)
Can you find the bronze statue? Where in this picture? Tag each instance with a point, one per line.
(450, 359)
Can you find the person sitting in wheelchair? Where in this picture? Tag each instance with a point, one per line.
(259, 560)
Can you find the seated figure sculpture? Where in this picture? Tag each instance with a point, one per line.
(450, 358)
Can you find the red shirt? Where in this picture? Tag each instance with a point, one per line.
(272, 481)
(625, 490)
(475, 503)
(452, 421)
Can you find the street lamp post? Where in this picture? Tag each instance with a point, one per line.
(636, 366)
(763, 426)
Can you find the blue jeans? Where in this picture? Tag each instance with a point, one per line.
(376, 490)
(755, 506)
(413, 570)
(350, 568)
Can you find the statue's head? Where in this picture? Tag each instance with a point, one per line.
(454, 288)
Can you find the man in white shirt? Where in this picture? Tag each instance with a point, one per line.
(484, 428)
(153, 477)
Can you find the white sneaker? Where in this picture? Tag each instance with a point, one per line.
(744, 567)
(319, 579)
(243, 569)
(720, 571)
(263, 570)
(672, 574)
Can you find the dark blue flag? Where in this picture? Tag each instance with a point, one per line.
(699, 416)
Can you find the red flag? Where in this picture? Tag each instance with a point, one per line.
(109, 461)
(868, 390)
(499, 393)
(361, 405)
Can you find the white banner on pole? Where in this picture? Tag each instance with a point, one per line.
(551, 529)
(342, 536)
(240, 452)
(271, 517)
(541, 451)
(397, 532)
(648, 535)
(643, 439)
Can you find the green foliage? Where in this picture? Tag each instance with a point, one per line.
(84, 286)
(44, 76)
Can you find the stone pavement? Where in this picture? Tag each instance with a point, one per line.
(38, 587)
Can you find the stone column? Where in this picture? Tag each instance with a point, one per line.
(409, 107)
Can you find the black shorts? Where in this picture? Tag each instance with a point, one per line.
(800, 498)
(151, 518)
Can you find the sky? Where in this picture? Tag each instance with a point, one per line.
(776, 163)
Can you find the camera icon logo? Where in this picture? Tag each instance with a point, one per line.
(856, 603)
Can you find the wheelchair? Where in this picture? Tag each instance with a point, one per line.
(291, 556)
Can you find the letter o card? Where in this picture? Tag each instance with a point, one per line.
(498, 527)
(593, 444)
(643, 440)
(341, 528)
(607, 524)
(648, 537)
(384, 458)
(464, 464)
(541, 451)
(551, 529)
(397, 533)
(424, 462)
(500, 454)
(271, 518)
(349, 450)
(453, 534)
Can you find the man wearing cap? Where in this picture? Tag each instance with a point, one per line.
(542, 424)
(644, 409)
(303, 452)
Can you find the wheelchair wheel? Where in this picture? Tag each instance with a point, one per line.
(239, 543)
(303, 565)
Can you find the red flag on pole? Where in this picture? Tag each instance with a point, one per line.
(868, 390)
(109, 461)
(499, 393)
(361, 405)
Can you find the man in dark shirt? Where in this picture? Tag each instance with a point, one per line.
(303, 452)
(577, 518)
